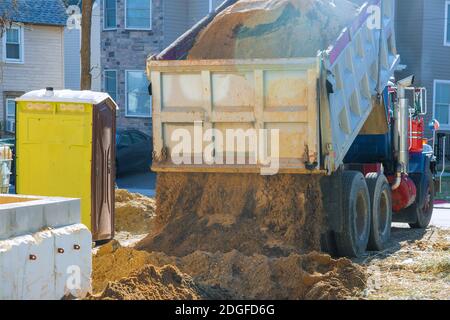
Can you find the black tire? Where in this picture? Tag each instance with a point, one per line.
(381, 205)
(423, 208)
(353, 239)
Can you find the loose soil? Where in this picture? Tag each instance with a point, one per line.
(273, 216)
(151, 283)
(273, 29)
(222, 236)
(203, 275)
(255, 225)
(415, 266)
(113, 262)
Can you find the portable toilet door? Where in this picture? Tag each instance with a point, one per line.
(65, 146)
(103, 169)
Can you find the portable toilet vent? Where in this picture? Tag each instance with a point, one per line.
(65, 146)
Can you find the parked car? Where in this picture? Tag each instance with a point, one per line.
(133, 151)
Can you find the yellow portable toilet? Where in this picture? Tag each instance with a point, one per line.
(65, 146)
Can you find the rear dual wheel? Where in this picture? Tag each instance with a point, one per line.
(366, 213)
(356, 215)
(381, 205)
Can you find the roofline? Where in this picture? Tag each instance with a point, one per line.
(41, 24)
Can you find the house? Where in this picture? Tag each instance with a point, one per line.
(72, 47)
(32, 52)
(423, 41)
(131, 30)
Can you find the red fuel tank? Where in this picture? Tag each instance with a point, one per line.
(404, 195)
(416, 133)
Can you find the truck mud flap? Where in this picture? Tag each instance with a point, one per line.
(332, 200)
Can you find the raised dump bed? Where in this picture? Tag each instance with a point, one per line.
(216, 122)
(45, 253)
(318, 104)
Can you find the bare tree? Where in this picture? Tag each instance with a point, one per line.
(5, 17)
(86, 21)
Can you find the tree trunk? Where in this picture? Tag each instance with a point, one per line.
(86, 20)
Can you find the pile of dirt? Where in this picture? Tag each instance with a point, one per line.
(203, 275)
(269, 215)
(273, 29)
(133, 211)
(113, 262)
(310, 276)
(151, 283)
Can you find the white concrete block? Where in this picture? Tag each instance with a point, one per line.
(38, 276)
(49, 264)
(13, 254)
(21, 218)
(25, 267)
(73, 261)
(60, 213)
(45, 253)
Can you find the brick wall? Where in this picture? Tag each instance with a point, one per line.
(123, 49)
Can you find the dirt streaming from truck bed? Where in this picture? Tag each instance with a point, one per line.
(273, 29)
(224, 236)
(201, 275)
(254, 214)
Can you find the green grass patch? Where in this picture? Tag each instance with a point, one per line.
(444, 193)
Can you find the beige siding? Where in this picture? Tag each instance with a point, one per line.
(180, 15)
(175, 20)
(43, 64)
(420, 42)
(197, 10)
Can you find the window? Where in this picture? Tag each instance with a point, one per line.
(211, 8)
(442, 102)
(111, 83)
(447, 23)
(138, 101)
(10, 116)
(110, 14)
(214, 4)
(138, 14)
(13, 44)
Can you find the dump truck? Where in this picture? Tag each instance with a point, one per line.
(339, 115)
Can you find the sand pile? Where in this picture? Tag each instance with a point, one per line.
(113, 262)
(310, 276)
(134, 212)
(273, 29)
(151, 283)
(253, 214)
(123, 273)
(204, 275)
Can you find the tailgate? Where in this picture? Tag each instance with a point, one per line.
(231, 97)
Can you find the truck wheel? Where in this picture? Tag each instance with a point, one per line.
(353, 240)
(423, 210)
(381, 205)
